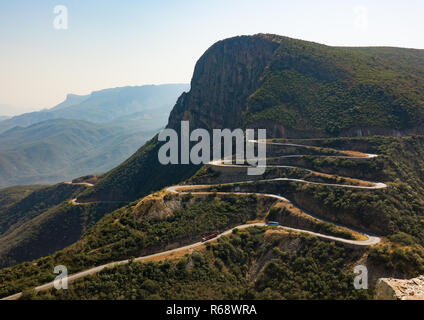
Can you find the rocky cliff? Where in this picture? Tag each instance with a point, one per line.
(223, 79)
(296, 88)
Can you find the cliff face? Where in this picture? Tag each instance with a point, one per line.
(223, 79)
(300, 89)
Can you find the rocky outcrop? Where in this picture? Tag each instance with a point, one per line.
(224, 77)
(156, 207)
(399, 289)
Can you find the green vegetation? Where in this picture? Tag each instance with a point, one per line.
(11, 195)
(60, 150)
(287, 218)
(400, 207)
(137, 230)
(404, 261)
(54, 229)
(397, 208)
(301, 89)
(247, 265)
(44, 221)
(309, 86)
(35, 203)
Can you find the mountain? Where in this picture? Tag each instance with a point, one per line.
(71, 99)
(106, 105)
(42, 220)
(245, 264)
(4, 118)
(296, 88)
(326, 97)
(292, 88)
(60, 150)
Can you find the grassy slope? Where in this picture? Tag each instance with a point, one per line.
(43, 221)
(310, 86)
(138, 176)
(11, 195)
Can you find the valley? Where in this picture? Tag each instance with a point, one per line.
(75, 138)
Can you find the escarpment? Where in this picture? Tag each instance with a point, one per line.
(224, 77)
(300, 89)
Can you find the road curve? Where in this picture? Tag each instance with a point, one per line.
(182, 189)
(87, 184)
(95, 270)
(371, 239)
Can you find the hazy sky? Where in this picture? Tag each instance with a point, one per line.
(111, 43)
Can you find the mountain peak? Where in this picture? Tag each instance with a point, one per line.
(71, 99)
(296, 88)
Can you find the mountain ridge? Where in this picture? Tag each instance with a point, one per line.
(296, 75)
(103, 105)
(57, 149)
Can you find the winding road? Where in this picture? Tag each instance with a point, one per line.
(95, 270)
(371, 239)
(183, 189)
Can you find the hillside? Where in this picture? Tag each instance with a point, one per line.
(236, 268)
(8, 196)
(41, 220)
(163, 220)
(60, 150)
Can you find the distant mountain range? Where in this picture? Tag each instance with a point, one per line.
(4, 118)
(106, 105)
(83, 134)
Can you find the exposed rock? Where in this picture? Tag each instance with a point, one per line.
(223, 78)
(399, 289)
(156, 208)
